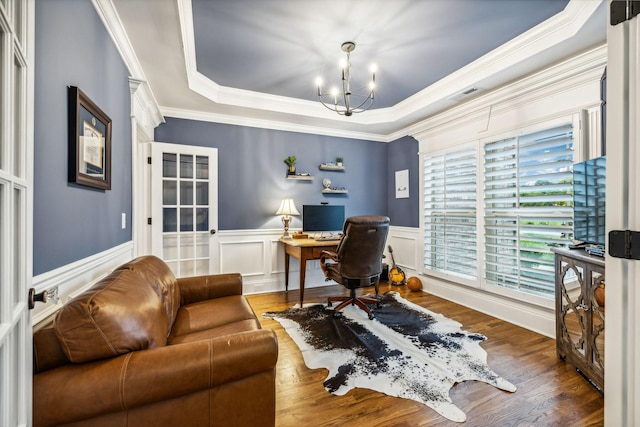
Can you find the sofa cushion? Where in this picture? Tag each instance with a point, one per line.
(228, 329)
(120, 314)
(158, 274)
(211, 314)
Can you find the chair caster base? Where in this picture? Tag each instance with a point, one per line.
(337, 315)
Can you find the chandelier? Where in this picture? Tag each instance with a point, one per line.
(348, 102)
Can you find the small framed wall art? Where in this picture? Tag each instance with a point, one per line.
(402, 184)
(89, 142)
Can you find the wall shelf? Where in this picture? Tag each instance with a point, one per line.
(305, 177)
(330, 191)
(325, 167)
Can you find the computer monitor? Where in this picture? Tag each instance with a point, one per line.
(322, 218)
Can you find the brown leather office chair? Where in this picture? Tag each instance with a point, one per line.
(357, 259)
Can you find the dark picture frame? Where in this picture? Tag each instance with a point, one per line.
(89, 142)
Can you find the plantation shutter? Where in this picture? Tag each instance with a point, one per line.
(528, 207)
(450, 233)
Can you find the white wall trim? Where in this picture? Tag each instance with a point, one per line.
(74, 278)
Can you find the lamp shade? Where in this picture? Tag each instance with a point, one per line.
(287, 207)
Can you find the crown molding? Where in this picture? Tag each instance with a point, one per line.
(552, 32)
(286, 126)
(109, 16)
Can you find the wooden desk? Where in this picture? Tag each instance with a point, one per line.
(303, 249)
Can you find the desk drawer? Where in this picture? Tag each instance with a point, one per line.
(317, 251)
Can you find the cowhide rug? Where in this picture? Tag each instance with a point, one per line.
(405, 351)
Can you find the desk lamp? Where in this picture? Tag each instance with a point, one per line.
(287, 208)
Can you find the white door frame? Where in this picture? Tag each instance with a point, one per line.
(622, 344)
(16, 210)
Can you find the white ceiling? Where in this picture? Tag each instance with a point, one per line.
(254, 62)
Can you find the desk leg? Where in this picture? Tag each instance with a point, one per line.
(286, 270)
(303, 269)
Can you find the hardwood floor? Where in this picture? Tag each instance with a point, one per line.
(550, 392)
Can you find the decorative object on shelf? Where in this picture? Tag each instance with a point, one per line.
(291, 162)
(414, 284)
(342, 103)
(89, 142)
(326, 183)
(286, 209)
(339, 161)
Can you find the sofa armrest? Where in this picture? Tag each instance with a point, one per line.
(201, 288)
(77, 392)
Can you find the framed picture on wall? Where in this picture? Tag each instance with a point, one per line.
(402, 184)
(89, 142)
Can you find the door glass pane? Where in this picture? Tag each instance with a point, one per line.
(186, 166)
(202, 267)
(202, 167)
(18, 12)
(202, 219)
(169, 220)
(169, 167)
(187, 242)
(186, 219)
(202, 193)
(187, 268)
(202, 245)
(169, 193)
(186, 193)
(169, 247)
(3, 146)
(18, 142)
(18, 249)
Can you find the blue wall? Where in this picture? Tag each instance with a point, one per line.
(252, 172)
(72, 222)
(403, 154)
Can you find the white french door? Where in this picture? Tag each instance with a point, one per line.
(184, 207)
(16, 217)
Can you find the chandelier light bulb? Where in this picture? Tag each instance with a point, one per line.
(373, 68)
(319, 81)
(346, 101)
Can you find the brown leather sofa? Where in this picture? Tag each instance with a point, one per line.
(142, 348)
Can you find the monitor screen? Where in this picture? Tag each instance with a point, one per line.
(322, 218)
(589, 201)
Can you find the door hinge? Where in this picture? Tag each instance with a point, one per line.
(149, 160)
(623, 10)
(149, 221)
(621, 244)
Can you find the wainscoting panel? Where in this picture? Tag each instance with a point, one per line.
(244, 257)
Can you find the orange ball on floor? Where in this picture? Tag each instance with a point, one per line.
(414, 284)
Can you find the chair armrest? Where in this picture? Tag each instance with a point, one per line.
(77, 392)
(324, 255)
(201, 288)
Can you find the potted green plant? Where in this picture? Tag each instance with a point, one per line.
(339, 161)
(291, 162)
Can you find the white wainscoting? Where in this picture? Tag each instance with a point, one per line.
(259, 257)
(74, 278)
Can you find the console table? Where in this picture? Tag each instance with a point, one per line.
(304, 250)
(580, 312)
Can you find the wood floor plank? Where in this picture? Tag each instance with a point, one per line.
(550, 392)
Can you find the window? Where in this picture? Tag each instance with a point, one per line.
(450, 199)
(528, 208)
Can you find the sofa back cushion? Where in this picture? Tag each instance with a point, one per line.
(120, 314)
(160, 277)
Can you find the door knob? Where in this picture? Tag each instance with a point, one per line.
(212, 231)
(33, 298)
